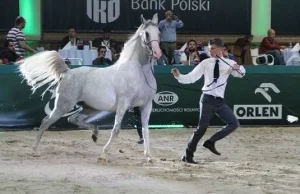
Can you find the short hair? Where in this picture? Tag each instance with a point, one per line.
(191, 41)
(101, 47)
(6, 42)
(19, 20)
(106, 30)
(216, 41)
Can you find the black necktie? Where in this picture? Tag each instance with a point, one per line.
(216, 71)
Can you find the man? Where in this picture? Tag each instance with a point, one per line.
(242, 46)
(168, 28)
(108, 42)
(101, 60)
(226, 54)
(16, 35)
(8, 55)
(270, 46)
(70, 38)
(191, 56)
(216, 73)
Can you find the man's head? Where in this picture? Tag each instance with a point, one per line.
(101, 51)
(72, 32)
(169, 15)
(225, 51)
(192, 45)
(9, 45)
(249, 37)
(271, 33)
(20, 22)
(106, 34)
(216, 47)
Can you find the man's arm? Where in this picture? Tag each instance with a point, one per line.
(268, 45)
(26, 47)
(183, 59)
(179, 23)
(21, 41)
(191, 77)
(161, 24)
(238, 71)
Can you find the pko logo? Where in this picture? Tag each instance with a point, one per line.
(103, 11)
(165, 98)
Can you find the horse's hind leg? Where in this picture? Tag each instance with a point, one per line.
(78, 119)
(62, 106)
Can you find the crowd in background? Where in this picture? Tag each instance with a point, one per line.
(192, 53)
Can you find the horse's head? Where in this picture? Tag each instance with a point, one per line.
(150, 36)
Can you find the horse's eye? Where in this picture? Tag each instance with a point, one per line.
(147, 35)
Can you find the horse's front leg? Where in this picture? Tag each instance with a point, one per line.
(117, 126)
(145, 115)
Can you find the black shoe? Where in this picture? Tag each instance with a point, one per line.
(141, 141)
(188, 160)
(211, 146)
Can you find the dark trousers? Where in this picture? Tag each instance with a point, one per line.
(210, 105)
(168, 49)
(278, 58)
(138, 122)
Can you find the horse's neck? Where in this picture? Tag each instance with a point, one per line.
(139, 53)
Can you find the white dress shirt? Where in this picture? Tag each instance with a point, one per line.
(206, 68)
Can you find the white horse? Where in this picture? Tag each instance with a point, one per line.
(126, 84)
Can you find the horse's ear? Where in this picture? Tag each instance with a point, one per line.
(155, 19)
(143, 19)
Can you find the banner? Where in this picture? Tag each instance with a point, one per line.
(198, 16)
(285, 17)
(9, 12)
(264, 97)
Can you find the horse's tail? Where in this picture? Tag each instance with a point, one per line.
(43, 68)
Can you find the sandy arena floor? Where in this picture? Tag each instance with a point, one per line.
(254, 161)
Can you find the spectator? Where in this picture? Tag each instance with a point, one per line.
(8, 55)
(16, 35)
(226, 53)
(108, 42)
(270, 46)
(168, 34)
(101, 60)
(70, 38)
(294, 60)
(242, 46)
(191, 55)
(245, 41)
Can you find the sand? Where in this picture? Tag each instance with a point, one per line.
(253, 160)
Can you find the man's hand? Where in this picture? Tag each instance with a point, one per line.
(236, 67)
(175, 72)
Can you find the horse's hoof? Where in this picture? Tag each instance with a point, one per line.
(94, 137)
(102, 160)
(150, 160)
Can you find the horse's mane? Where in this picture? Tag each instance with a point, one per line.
(133, 45)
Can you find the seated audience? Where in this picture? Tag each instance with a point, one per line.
(226, 53)
(241, 47)
(70, 38)
(191, 55)
(294, 60)
(101, 60)
(8, 55)
(108, 42)
(270, 46)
